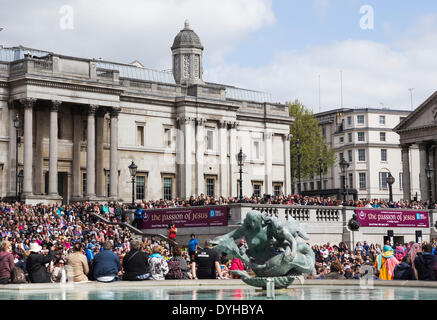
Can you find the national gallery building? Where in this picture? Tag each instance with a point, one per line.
(71, 127)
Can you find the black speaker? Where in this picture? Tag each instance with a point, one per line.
(418, 236)
(390, 233)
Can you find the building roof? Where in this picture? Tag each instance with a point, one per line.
(186, 38)
(360, 109)
(135, 72)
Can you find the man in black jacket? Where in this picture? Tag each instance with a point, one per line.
(135, 263)
(425, 263)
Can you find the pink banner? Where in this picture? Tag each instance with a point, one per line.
(393, 218)
(186, 217)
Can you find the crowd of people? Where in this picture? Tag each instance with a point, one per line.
(58, 243)
(203, 200)
(410, 261)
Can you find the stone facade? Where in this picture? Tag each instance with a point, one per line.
(419, 130)
(84, 121)
(364, 137)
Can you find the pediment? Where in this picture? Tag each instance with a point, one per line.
(424, 116)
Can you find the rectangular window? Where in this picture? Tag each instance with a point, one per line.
(401, 180)
(277, 190)
(351, 180)
(349, 153)
(363, 182)
(59, 128)
(84, 190)
(210, 140)
(210, 187)
(311, 186)
(140, 187)
(341, 139)
(384, 155)
(382, 120)
(256, 149)
(324, 132)
(325, 184)
(361, 137)
(361, 155)
(349, 121)
(140, 136)
(168, 182)
(383, 180)
(167, 137)
(382, 136)
(257, 190)
(341, 156)
(360, 119)
(84, 130)
(349, 137)
(305, 186)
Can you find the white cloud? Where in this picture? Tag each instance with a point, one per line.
(134, 29)
(373, 73)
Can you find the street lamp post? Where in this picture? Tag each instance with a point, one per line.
(20, 181)
(390, 181)
(241, 157)
(299, 155)
(133, 172)
(344, 165)
(429, 173)
(17, 141)
(320, 172)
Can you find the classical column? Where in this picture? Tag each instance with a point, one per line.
(91, 152)
(113, 162)
(200, 154)
(233, 126)
(28, 104)
(223, 148)
(53, 147)
(100, 176)
(12, 149)
(287, 171)
(184, 155)
(77, 138)
(268, 165)
(423, 178)
(406, 175)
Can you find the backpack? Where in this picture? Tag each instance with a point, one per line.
(174, 270)
(18, 276)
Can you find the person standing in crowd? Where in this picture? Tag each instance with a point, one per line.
(6, 262)
(172, 231)
(425, 264)
(400, 252)
(385, 263)
(207, 262)
(36, 264)
(192, 247)
(158, 266)
(58, 271)
(79, 263)
(415, 250)
(404, 270)
(135, 263)
(336, 272)
(107, 265)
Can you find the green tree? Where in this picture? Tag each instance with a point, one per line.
(306, 129)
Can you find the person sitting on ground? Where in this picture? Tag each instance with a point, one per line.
(79, 264)
(107, 265)
(385, 263)
(158, 266)
(425, 263)
(6, 262)
(36, 263)
(336, 272)
(58, 271)
(135, 263)
(178, 262)
(404, 270)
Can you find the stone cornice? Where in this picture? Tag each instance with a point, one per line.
(267, 118)
(64, 85)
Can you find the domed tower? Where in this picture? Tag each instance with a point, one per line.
(187, 57)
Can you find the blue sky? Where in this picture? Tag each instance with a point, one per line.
(278, 46)
(302, 24)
